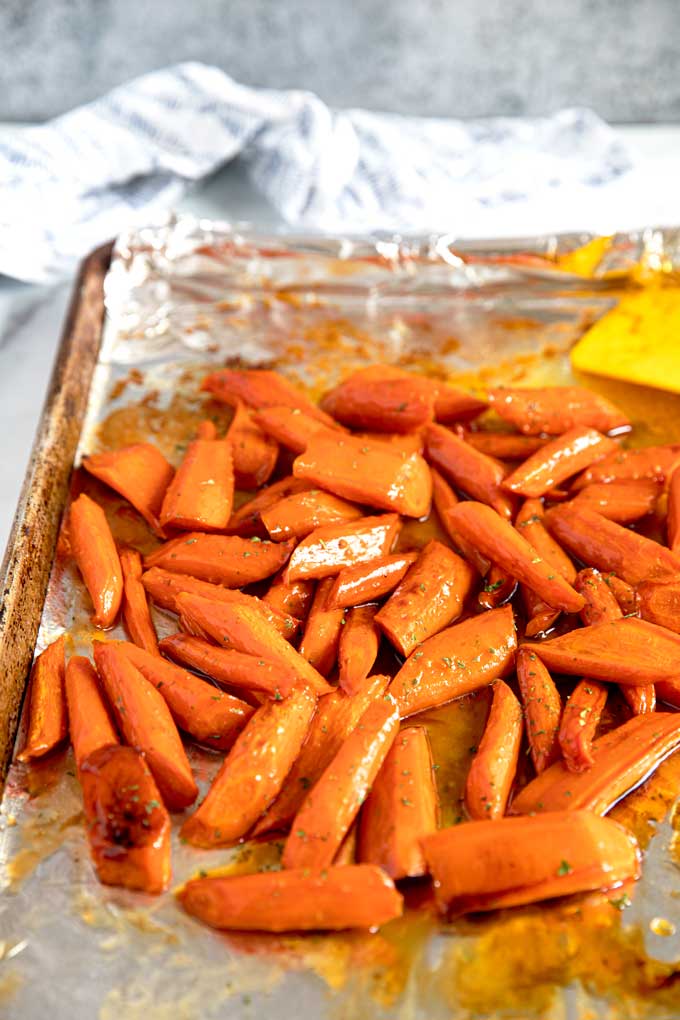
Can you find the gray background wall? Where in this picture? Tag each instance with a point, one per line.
(440, 57)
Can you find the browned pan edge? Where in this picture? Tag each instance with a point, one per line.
(28, 560)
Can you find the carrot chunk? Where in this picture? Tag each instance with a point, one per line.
(580, 720)
(97, 559)
(47, 713)
(383, 398)
(479, 476)
(561, 458)
(494, 765)
(530, 525)
(259, 388)
(236, 669)
(497, 589)
(623, 502)
(556, 409)
(291, 427)
(655, 462)
(201, 494)
(298, 515)
(368, 581)
(254, 453)
(542, 708)
(139, 473)
(136, 615)
(247, 521)
(328, 550)
(319, 645)
(295, 598)
(660, 603)
(540, 617)
(89, 722)
(221, 559)
(444, 499)
(358, 648)
(504, 445)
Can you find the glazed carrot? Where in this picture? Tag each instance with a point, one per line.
(623, 758)
(454, 405)
(295, 598)
(298, 515)
(456, 661)
(401, 808)
(330, 807)
(660, 603)
(405, 442)
(608, 546)
(655, 462)
(669, 692)
(497, 588)
(97, 559)
(201, 494)
(289, 426)
(542, 708)
(556, 409)
(558, 460)
(430, 597)
(382, 398)
(529, 523)
(504, 445)
(321, 636)
(479, 476)
(444, 499)
(624, 593)
(89, 722)
(136, 615)
(493, 768)
(358, 648)
(328, 550)
(204, 712)
(580, 719)
(236, 669)
(146, 723)
(139, 473)
(246, 521)
(354, 896)
(540, 616)
(623, 502)
(259, 388)
(369, 581)
(510, 861)
(241, 628)
(673, 519)
(254, 453)
(497, 539)
(128, 825)
(206, 429)
(253, 772)
(221, 559)
(347, 852)
(373, 474)
(47, 715)
(336, 717)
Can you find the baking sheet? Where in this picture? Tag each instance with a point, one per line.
(187, 294)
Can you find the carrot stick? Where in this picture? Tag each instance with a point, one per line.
(358, 648)
(259, 388)
(369, 581)
(47, 715)
(354, 896)
(90, 725)
(504, 445)
(128, 825)
(673, 519)
(540, 616)
(623, 502)
(347, 852)
(624, 593)
(253, 772)
(332, 804)
(561, 458)
(479, 476)
(510, 861)
(207, 714)
(383, 398)
(401, 808)
(97, 559)
(444, 499)
(328, 550)
(542, 708)
(497, 588)
(494, 765)
(430, 597)
(336, 717)
(139, 473)
(456, 661)
(655, 462)
(660, 603)
(145, 721)
(295, 598)
(136, 615)
(321, 636)
(298, 515)
(201, 494)
(236, 669)
(221, 559)
(247, 522)
(556, 409)
(497, 539)
(254, 454)
(580, 720)
(454, 405)
(529, 524)
(290, 427)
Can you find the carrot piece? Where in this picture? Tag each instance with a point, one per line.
(47, 715)
(290, 427)
(456, 661)
(623, 502)
(253, 772)
(529, 523)
(402, 808)
(608, 546)
(580, 719)
(347, 852)
(97, 558)
(336, 717)
(330, 807)
(298, 515)
(542, 708)
(444, 499)
(673, 520)
(321, 636)
(622, 759)
(625, 595)
(350, 896)
(510, 861)
(405, 443)
(247, 522)
(139, 473)
(254, 454)
(655, 462)
(201, 494)
(497, 539)
(295, 598)
(430, 597)
(328, 550)
(540, 616)
(241, 628)
(236, 669)
(368, 581)
(374, 474)
(146, 723)
(504, 445)
(136, 615)
(128, 827)
(90, 725)
(561, 458)
(207, 714)
(660, 603)
(497, 589)
(479, 476)
(494, 765)
(220, 559)
(454, 405)
(669, 692)
(206, 430)
(259, 388)
(358, 648)
(383, 398)
(556, 409)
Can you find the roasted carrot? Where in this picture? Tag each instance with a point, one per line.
(529, 523)
(128, 825)
(558, 460)
(236, 669)
(655, 462)
(47, 713)
(347, 851)
(444, 499)
(623, 502)
(430, 597)
(497, 588)
(624, 593)
(222, 559)
(401, 809)
(542, 708)
(206, 429)
(358, 648)
(321, 636)
(298, 515)
(354, 896)
(456, 661)
(659, 603)
(332, 804)
(453, 405)
(146, 723)
(253, 772)
(493, 767)
(405, 442)
(201, 494)
(383, 398)
(139, 473)
(510, 861)
(479, 476)
(136, 615)
(540, 616)
(369, 581)
(89, 722)
(556, 409)
(504, 445)
(580, 719)
(97, 559)
(295, 598)
(247, 522)
(254, 453)
(259, 388)
(290, 427)
(330, 549)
